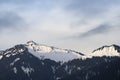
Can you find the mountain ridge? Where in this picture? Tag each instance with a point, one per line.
(27, 62)
(42, 51)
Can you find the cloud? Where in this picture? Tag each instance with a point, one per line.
(51, 21)
(90, 7)
(10, 20)
(93, 17)
(101, 29)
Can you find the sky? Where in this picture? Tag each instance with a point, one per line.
(81, 25)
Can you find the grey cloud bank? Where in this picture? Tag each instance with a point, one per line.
(86, 22)
(102, 29)
(10, 20)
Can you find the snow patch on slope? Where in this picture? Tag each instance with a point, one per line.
(27, 70)
(1, 55)
(17, 59)
(15, 70)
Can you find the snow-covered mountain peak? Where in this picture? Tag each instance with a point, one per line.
(38, 47)
(108, 49)
(49, 52)
(112, 50)
(31, 43)
(116, 47)
(46, 49)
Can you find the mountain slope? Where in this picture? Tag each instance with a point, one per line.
(34, 61)
(24, 66)
(97, 68)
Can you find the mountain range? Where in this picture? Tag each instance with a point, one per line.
(33, 61)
